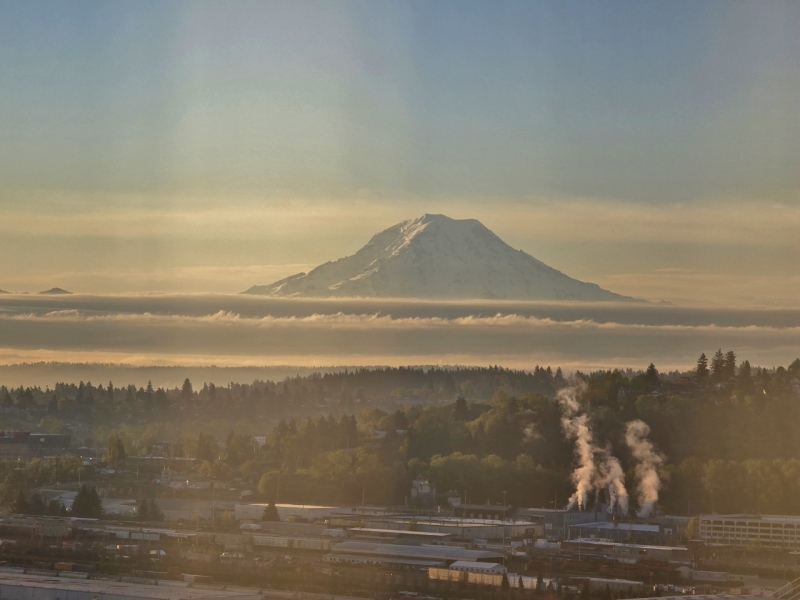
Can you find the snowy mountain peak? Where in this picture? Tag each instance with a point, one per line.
(434, 256)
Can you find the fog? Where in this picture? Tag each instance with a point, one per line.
(244, 331)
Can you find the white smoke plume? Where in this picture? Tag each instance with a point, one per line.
(597, 468)
(614, 481)
(531, 434)
(648, 460)
(575, 427)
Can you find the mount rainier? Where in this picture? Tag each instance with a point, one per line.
(436, 257)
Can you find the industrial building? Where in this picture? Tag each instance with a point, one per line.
(478, 567)
(557, 523)
(627, 553)
(24, 444)
(483, 511)
(766, 531)
(287, 512)
(407, 556)
(471, 530)
(622, 532)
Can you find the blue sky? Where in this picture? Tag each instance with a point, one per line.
(117, 112)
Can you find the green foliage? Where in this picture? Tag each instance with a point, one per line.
(87, 503)
(56, 508)
(206, 448)
(701, 371)
(270, 513)
(728, 432)
(51, 424)
(115, 451)
(20, 505)
(148, 510)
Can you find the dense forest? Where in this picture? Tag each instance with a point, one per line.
(726, 432)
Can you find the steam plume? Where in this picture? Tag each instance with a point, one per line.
(648, 460)
(614, 481)
(597, 468)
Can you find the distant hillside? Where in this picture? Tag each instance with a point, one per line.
(55, 291)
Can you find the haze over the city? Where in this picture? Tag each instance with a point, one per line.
(650, 148)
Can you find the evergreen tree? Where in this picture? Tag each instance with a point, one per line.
(730, 364)
(55, 508)
(701, 372)
(558, 379)
(207, 447)
(271, 513)
(155, 511)
(504, 585)
(87, 503)
(718, 366)
(143, 510)
(37, 505)
(186, 390)
(20, 505)
(5, 398)
(115, 451)
(651, 375)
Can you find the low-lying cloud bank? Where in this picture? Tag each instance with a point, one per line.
(236, 330)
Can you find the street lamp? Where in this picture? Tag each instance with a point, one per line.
(504, 527)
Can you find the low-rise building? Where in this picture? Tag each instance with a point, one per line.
(478, 567)
(765, 531)
(558, 522)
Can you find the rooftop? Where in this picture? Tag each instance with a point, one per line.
(171, 591)
(612, 526)
(415, 552)
(767, 518)
(400, 532)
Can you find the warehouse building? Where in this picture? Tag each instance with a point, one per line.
(287, 512)
(409, 556)
(557, 523)
(766, 531)
(627, 553)
(466, 529)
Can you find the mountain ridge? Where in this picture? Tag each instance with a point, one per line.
(436, 257)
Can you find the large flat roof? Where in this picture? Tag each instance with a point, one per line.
(117, 589)
(766, 518)
(415, 552)
(611, 526)
(401, 532)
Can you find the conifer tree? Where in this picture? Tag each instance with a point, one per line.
(701, 372)
(271, 513)
(20, 505)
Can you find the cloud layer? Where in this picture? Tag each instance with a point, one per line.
(237, 330)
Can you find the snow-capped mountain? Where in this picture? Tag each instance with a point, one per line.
(437, 257)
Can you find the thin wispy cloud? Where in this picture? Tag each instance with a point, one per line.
(252, 331)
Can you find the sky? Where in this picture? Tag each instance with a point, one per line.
(650, 147)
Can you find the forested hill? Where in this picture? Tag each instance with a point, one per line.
(727, 432)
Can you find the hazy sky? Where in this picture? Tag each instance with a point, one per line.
(650, 147)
